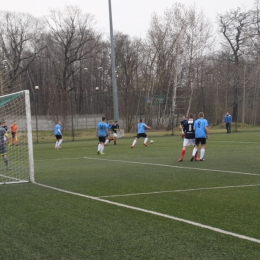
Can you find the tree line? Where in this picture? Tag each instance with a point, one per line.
(182, 66)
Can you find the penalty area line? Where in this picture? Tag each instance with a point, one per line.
(173, 191)
(172, 166)
(218, 230)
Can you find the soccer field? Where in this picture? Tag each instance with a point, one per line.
(136, 203)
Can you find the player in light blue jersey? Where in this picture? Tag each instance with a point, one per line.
(101, 133)
(141, 133)
(58, 135)
(201, 134)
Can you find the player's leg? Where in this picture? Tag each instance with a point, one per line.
(202, 150)
(182, 153)
(102, 144)
(57, 141)
(60, 141)
(195, 149)
(115, 136)
(145, 139)
(134, 142)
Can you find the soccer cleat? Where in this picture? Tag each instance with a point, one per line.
(102, 153)
(202, 159)
(58, 147)
(180, 160)
(98, 152)
(131, 146)
(145, 144)
(197, 159)
(192, 158)
(114, 144)
(7, 168)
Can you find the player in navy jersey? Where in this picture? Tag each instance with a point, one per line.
(2, 145)
(141, 133)
(181, 126)
(101, 133)
(201, 134)
(189, 136)
(109, 131)
(114, 128)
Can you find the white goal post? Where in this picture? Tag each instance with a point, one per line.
(18, 166)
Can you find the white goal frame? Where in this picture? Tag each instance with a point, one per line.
(28, 124)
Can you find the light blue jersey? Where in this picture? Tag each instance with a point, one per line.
(199, 126)
(102, 126)
(141, 128)
(57, 130)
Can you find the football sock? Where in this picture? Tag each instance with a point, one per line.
(202, 152)
(56, 143)
(145, 140)
(134, 142)
(6, 161)
(107, 140)
(101, 148)
(60, 142)
(98, 148)
(194, 152)
(182, 153)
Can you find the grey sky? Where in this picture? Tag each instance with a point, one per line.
(129, 16)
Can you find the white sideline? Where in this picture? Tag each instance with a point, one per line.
(218, 230)
(172, 191)
(173, 166)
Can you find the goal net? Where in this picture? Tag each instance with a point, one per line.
(18, 165)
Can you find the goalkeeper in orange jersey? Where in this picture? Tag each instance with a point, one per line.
(14, 128)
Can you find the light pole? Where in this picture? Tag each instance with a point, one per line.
(113, 63)
(36, 112)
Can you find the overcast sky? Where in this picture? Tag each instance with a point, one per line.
(129, 16)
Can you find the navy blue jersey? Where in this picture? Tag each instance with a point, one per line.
(188, 128)
(115, 127)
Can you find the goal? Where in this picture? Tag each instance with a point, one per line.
(19, 149)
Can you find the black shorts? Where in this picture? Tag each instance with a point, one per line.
(144, 135)
(102, 139)
(13, 134)
(2, 149)
(58, 137)
(200, 141)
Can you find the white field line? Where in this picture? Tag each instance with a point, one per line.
(218, 230)
(172, 191)
(173, 166)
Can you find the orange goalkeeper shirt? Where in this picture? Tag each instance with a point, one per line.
(13, 128)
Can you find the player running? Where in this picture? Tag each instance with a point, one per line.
(141, 133)
(189, 139)
(201, 134)
(109, 131)
(115, 127)
(58, 135)
(101, 133)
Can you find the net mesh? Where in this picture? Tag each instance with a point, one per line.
(13, 109)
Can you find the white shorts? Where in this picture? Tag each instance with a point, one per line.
(115, 134)
(187, 142)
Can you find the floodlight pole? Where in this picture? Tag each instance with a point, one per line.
(115, 99)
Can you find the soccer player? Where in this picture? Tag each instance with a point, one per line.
(58, 135)
(227, 121)
(2, 145)
(14, 128)
(189, 138)
(141, 133)
(109, 130)
(101, 133)
(201, 134)
(6, 133)
(181, 126)
(114, 129)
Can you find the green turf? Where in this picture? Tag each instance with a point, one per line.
(41, 223)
